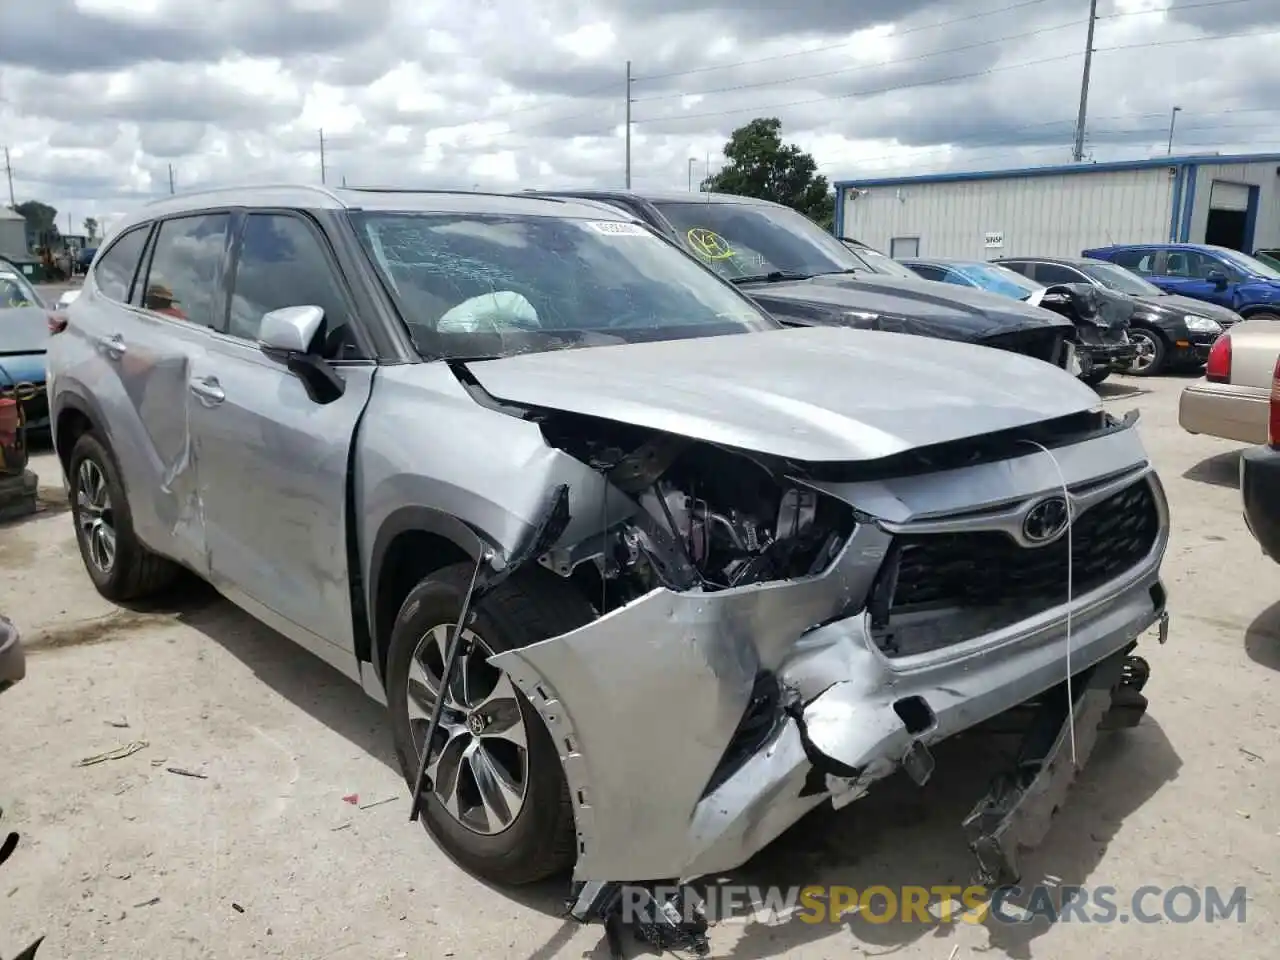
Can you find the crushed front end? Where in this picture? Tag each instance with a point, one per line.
(774, 635)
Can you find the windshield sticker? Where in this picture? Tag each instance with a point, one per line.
(618, 228)
(709, 244)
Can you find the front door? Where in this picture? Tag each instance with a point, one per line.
(273, 462)
(1186, 273)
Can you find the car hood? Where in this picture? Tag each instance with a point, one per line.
(1181, 306)
(23, 330)
(922, 307)
(814, 394)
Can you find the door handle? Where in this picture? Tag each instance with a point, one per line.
(208, 390)
(113, 346)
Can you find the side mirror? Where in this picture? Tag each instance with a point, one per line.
(290, 330)
(288, 333)
(68, 298)
(1217, 278)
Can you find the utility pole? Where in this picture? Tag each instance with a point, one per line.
(1173, 118)
(322, 172)
(9, 173)
(171, 179)
(628, 124)
(1077, 154)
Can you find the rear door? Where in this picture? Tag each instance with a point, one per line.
(145, 320)
(274, 462)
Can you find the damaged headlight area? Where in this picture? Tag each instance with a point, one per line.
(705, 517)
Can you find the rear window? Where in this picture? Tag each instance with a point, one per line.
(114, 273)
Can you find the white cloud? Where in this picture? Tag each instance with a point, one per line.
(98, 98)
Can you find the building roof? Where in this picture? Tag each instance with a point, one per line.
(7, 214)
(1152, 163)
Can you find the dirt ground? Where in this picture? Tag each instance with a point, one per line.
(262, 857)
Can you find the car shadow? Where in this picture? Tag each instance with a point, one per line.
(1220, 470)
(312, 685)
(1120, 389)
(1262, 639)
(898, 835)
(901, 835)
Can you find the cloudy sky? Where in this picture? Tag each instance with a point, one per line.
(100, 98)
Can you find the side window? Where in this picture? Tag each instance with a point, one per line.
(1017, 266)
(182, 281)
(282, 264)
(1139, 261)
(959, 279)
(1051, 273)
(928, 271)
(116, 268)
(1189, 264)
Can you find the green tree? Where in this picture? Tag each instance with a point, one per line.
(761, 166)
(42, 217)
(91, 227)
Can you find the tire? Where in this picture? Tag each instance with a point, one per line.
(1155, 352)
(539, 840)
(1096, 376)
(134, 572)
(1263, 315)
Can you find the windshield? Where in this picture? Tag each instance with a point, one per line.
(881, 263)
(471, 285)
(743, 241)
(1117, 278)
(1248, 264)
(15, 291)
(997, 279)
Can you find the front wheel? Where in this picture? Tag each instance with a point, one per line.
(1263, 316)
(1096, 376)
(1152, 352)
(499, 804)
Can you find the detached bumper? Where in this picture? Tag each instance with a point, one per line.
(13, 666)
(655, 692)
(1260, 491)
(1116, 356)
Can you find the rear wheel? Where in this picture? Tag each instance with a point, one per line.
(120, 567)
(1152, 355)
(1264, 315)
(499, 804)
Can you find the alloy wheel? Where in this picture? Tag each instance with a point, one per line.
(1146, 351)
(480, 766)
(95, 516)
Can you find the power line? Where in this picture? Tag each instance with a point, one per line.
(762, 110)
(863, 66)
(838, 46)
(1174, 9)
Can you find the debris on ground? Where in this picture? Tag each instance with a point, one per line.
(378, 803)
(118, 724)
(183, 772)
(237, 908)
(147, 903)
(1250, 754)
(352, 798)
(119, 753)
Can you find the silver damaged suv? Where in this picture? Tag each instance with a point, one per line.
(706, 573)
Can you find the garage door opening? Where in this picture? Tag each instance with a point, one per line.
(1232, 210)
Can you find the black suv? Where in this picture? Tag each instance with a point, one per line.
(804, 276)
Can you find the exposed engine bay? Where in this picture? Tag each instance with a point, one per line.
(708, 518)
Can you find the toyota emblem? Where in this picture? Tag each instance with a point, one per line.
(1046, 521)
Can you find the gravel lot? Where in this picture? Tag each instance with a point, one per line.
(264, 858)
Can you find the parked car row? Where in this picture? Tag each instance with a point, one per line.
(553, 471)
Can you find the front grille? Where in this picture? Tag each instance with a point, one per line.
(1041, 344)
(990, 574)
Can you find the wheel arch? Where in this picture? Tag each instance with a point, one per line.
(412, 543)
(1254, 309)
(76, 415)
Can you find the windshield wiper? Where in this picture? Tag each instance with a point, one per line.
(777, 276)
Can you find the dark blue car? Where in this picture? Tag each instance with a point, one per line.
(1218, 275)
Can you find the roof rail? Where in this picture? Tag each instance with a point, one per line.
(322, 190)
(432, 190)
